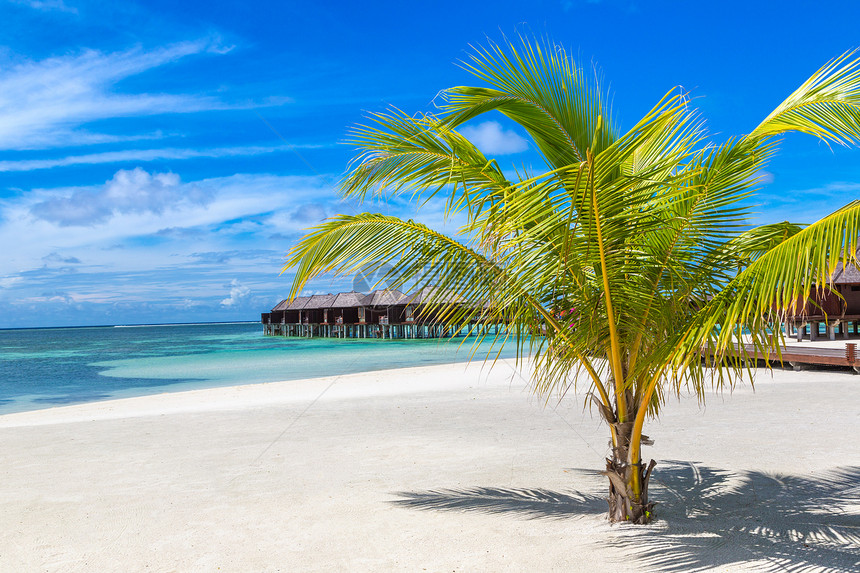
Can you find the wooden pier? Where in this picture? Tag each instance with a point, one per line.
(381, 331)
(809, 327)
(382, 314)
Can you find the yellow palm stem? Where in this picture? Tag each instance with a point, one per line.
(614, 347)
(633, 453)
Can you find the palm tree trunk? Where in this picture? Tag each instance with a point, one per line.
(624, 503)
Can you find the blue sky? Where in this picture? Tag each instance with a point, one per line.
(158, 159)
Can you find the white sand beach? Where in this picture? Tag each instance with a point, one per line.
(443, 468)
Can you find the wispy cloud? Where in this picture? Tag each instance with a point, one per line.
(309, 213)
(221, 257)
(47, 5)
(832, 193)
(141, 155)
(56, 257)
(804, 205)
(491, 138)
(44, 103)
(7, 282)
(180, 232)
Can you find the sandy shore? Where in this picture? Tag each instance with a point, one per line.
(443, 468)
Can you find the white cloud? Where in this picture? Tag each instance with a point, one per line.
(491, 138)
(238, 294)
(151, 241)
(43, 103)
(128, 192)
(157, 220)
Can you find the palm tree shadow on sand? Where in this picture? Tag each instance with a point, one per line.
(707, 518)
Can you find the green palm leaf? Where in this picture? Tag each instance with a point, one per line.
(827, 105)
(537, 86)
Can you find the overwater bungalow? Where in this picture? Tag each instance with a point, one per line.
(836, 306)
(384, 313)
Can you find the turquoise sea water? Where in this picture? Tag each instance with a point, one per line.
(41, 368)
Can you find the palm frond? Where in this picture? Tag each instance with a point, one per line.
(538, 86)
(827, 105)
(750, 245)
(401, 152)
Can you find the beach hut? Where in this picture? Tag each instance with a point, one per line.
(837, 306)
(293, 311)
(277, 313)
(316, 311)
(431, 301)
(385, 306)
(385, 311)
(433, 308)
(348, 311)
(274, 319)
(846, 281)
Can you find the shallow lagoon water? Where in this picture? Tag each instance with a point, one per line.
(41, 368)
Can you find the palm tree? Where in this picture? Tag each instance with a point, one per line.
(626, 264)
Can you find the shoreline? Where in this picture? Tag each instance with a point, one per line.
(257, 394)
(443, 467)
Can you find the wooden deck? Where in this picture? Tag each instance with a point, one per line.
(799, 356)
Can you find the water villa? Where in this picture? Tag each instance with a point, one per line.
(836, 307)
(384, 313)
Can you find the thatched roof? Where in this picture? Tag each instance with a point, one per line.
(320, 301)
(381, 297)
(299, 303)
(348, 300)
(434, 295)
(385, 297)
(845, 276)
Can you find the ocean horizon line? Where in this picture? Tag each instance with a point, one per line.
(141, 325)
